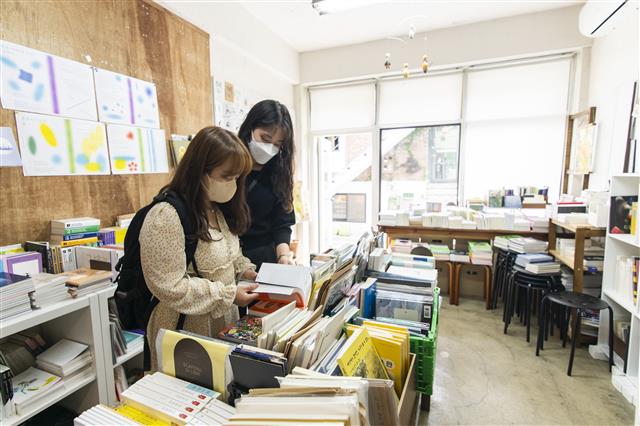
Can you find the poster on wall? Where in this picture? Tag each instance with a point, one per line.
(126, 100)
(34, 81)
(136, 150)
(9, 154)
(57, 146)
(231, 104)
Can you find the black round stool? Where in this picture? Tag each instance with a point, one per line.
(580, 302)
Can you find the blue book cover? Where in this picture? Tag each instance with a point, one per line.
(369, 301)
(72, 237)
(524, 259)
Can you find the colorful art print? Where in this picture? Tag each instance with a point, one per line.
(247, 329)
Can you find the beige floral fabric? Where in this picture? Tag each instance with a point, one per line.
(207, 301)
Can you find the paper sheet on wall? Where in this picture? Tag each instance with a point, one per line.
(231, 114)
(9, 154)
(56, 146)
(35, 81)
(137, 150)
(126, 100)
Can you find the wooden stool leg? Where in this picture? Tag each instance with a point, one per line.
(487, 287)
(452, 296)
(458, 268)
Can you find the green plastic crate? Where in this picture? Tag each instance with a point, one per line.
(425, 349)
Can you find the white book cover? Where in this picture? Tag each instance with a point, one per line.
(62, 353)
(293, 276)
(32, 384)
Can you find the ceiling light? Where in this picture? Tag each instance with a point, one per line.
(324, 7)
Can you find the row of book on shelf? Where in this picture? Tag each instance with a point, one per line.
(328, 344)
(31, 370)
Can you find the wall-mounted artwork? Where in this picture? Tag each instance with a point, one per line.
(126, 100)
(34, 81)
(583, 145)
(136, 150)
(55, 146)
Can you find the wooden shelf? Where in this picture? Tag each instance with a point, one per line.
(590, 231)
(48, 400)
(626, 238)
(566, 260)
(126, 357)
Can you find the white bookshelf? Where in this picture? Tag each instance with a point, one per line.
(620, 298)
(74, 319)
(133, 356)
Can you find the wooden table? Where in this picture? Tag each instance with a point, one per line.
(576, 263)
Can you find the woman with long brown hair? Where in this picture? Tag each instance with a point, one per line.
(210, 179)
(268, 134)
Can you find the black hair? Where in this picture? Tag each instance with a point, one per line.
(271, 114)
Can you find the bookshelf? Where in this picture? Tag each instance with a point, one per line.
(465, 234)
(620, 298)
(74, 319)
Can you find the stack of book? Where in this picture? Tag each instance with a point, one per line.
(6, 384)
(255, 368)
(65, 358)
(84, 281)
(440, 251)
(480, 253)
(538, 263)
(543, 268)
(566, 277)
(123, 415)
(75, 231)
(21, 263)
(387, 218)
(593, 263)
(401, 245)
(502, 241)
(168, 398)
(527, 245)
(14, 293)
(539, 224)
(50, 289)
(31, 386)
(461, 256)
(19, 351)
(112, 236)
(124, 220)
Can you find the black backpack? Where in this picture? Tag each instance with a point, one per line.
(134, 300)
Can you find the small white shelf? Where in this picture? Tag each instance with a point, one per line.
(126, 357)
(621, 300)
(627, 239)
(49, 400)
(17, 323)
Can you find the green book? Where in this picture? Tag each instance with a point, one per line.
(82, 230)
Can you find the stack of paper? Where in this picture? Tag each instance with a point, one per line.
(401, 245)
(387, 218)
(461, 256)
(84, 281)
(524, 259)
(14, 293)
(50, 289)
(31, 386)
(527, 245)
(480, 253)
(65, 358)
(440, 251)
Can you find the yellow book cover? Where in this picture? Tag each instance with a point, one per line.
(80, 242)
(400, 332)
(634, 218)
(389, 350)
(140, 416)
(360, 359)
(196, 359)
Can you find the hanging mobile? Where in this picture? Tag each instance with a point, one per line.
(387, 61)
(405, 71)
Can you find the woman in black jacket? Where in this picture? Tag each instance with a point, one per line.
(268, 134)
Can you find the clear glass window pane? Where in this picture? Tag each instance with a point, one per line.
(419, 164)
(345, 188)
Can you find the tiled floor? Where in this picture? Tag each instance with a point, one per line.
(485, 377)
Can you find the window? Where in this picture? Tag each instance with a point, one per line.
(419, 164)
(515, 121)
(343, 107)
(345, 188)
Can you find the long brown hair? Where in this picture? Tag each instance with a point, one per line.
(272, 114)
(210, 148)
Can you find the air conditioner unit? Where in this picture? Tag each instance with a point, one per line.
(598, 18)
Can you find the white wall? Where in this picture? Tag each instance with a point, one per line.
(614, 68)
(517, 36)
(243, 50)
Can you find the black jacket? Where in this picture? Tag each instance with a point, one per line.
(270, 223)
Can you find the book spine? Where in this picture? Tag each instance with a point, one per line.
(83, 241)
(75, 229)
(72, 237)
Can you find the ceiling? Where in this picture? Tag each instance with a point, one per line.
(300, 26)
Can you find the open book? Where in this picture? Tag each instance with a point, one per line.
(284, 283)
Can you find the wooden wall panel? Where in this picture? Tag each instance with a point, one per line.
(133, 37)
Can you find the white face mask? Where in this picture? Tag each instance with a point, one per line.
(221, 192)
(262, 152)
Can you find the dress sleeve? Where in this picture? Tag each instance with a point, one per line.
(241, 265)
(163, 258)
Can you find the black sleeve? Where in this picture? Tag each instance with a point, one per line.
(281, 223)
